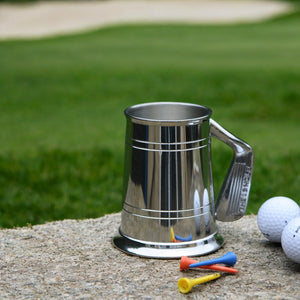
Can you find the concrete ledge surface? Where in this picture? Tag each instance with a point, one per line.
(75, 260)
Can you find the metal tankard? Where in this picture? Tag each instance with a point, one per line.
(168, 200)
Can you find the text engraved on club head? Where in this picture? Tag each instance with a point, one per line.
(245, 189)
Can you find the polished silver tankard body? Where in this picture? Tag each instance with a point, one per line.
(169, 208)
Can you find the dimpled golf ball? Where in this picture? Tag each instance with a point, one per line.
(290, 240)
(274, 215)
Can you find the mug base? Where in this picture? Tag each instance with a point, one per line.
(200, 247)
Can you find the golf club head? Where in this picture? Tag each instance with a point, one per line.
(233, 197)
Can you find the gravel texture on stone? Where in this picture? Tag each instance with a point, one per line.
(75, 260)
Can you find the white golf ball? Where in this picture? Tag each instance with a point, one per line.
(290, 240)
(274, 215)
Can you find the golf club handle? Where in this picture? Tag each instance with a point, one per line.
(233, 197)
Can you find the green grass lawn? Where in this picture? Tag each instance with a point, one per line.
(62, 100)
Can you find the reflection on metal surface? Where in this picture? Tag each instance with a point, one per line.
(168, 180)
(168, 250)
(175, 238)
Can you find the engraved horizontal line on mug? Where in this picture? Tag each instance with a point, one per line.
(166, 143)
(163, 218)
(163, 210)
(167, 150)
(169, 245)
(167, 214)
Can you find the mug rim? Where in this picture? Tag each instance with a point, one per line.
(138, 112)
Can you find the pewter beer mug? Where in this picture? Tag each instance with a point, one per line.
(168, 200)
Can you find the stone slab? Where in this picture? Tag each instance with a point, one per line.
(75, 260)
